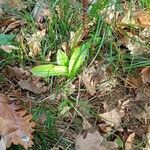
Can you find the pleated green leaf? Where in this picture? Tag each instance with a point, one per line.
(50, 70)
(62, 58)
(77, 59)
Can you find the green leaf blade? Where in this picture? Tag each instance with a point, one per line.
(50, 70)
(77, 59)
(62, 58)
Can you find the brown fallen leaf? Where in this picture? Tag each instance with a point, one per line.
(34, 42)
(146, 75)
(8, 48)
(136, 45)
(8, 24)
(113, 117)
(33, 85)
(15, 24)
(15, 124)
(133, 82)
(129, 142)
(87, 78)
(103, 128)
(105, 82)
(18, 72)
(143, 18)
(94, 141)
(5, 22)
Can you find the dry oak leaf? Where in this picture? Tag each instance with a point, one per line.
(136, 45)
(94, 141)
(34, 42)
(143, 18)
(133, 82)
(8, 24)
(12, 26)
(34, 85)
(8, 48)
(18, 72)
(129, 142)
(89, 83)
(113, 117)
(15, 125)
(146, 75)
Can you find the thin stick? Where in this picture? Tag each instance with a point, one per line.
(84, 15)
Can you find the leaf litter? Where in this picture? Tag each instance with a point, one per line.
(114, 100)
(34, 42)
(19, 125)
(41, 11)
(96, 78)
(129, 142)
(94, 141)
(26, 81)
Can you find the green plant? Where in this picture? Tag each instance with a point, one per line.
(64, 67)
(6, 39)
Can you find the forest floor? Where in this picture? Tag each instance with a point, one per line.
(74, 76)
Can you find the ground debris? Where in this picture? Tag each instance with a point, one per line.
(109, 93)
(113, 117)
(146, 75)
(34, 42)
(97, 79)
(41, 11)
(26, 81)
(18, 72)
(129, 142)
(33, 85)
(15, 125)
(94, 141)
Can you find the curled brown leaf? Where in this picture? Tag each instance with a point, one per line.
(146, 75)
(15, 124)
